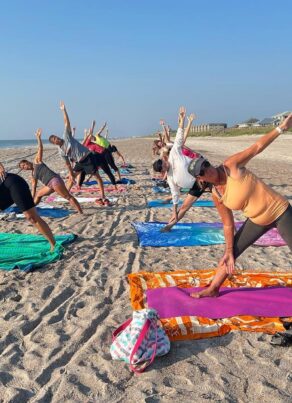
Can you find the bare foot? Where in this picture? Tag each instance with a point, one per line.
(205, 293)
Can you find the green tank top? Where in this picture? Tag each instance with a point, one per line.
(101, 141)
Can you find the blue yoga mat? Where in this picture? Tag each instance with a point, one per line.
(198, 203)
(195, 234)
(189, 234)
(43, 211)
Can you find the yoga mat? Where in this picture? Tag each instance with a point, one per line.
(194, 234)
(197, 327)
(81, 200)
(51, 212)
(198, 203)
(160, 189)
(269, 302)
(97, 190)
(27, 252)
(123, 181)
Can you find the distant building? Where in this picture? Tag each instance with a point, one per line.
(252, 122)
(209, 127)
(267, 122)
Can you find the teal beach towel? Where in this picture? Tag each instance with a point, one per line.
(27, 252)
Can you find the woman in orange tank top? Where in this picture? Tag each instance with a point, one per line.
(236, 188)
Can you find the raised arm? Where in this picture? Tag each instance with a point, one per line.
(66, 118)
(236, 161)
(166, 136)
(181, 117)
(189, 125)
(101, 129)
(39, 155)
(92, 127)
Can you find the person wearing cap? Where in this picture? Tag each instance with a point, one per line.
(237, 188)
(175, 163)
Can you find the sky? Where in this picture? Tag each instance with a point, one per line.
(133, 62)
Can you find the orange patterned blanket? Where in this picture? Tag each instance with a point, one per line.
(193, 327)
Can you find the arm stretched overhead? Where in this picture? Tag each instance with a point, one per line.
(189, 125)
(66, 118)
(239, 160)
(39, 155)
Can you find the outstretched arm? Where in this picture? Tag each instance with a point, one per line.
(236, 161)
(120, 155)
(166, 137)
(189, 125)
(2, 172)
(226, 215)
(101, 130)
(34, 186)
(39, 155)
(66, 118)
(181, 117)
(92, 127)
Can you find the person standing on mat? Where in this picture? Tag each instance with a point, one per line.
(237, 188)
(84, 161)
(175, 163)
(52, 181)
(101, 141)
(14, 189)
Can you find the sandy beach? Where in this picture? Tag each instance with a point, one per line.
(56, 323)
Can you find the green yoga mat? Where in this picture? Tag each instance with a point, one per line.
(27, 252)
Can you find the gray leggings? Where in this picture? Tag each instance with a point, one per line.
(250, 232)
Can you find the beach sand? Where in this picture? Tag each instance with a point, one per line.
(56, 323)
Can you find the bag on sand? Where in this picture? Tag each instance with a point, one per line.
(139, 340)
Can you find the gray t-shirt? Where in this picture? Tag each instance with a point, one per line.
(43, 173)
(71, 149)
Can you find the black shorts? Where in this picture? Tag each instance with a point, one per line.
(14, 189)
(89, 165)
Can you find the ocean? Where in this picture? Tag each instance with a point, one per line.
(19, 143)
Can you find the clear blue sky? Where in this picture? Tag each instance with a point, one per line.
(132, 62)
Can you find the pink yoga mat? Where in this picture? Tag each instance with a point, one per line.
(268, 302)
(95, 189)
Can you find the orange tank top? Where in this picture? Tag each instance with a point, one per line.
(254, 198)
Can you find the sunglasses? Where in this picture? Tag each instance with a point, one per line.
(204, 166)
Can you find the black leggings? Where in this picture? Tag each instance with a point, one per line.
(250, 232)
(110, 160)
(14, 189)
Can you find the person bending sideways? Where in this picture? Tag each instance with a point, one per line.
(84, 161)
(101, 142)
(52, 181)
(14, 189)
(237, 188)
(175, 164)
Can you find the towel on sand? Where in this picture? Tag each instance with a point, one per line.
(198, 203)
(194, 234)
(27, 252)
(197, 327)
(81, 200)
(44, 211)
